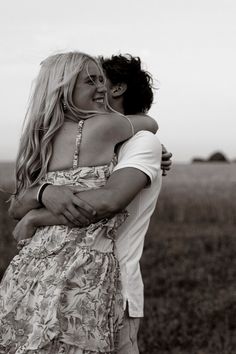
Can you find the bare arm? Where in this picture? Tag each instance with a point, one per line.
(22, 204)
(143, 121)
(121, 188)
(27, 226)
(27, 201)
(118, 127)
(119, 191)
(66, 202)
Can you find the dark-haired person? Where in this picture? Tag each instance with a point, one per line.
(124, 71)
(135, 183)
(127, 81)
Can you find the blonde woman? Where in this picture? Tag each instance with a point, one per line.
(62, 293)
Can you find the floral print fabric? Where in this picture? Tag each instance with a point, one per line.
(62, 292)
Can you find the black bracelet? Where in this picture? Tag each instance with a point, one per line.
(40, 192)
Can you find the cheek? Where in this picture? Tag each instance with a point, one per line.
(79, 96)
(75, 95)
(76, 99)
(82, 98)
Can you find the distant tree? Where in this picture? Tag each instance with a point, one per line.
(198, 159)
(218, 157)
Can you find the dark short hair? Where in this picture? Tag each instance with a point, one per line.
(127, 69)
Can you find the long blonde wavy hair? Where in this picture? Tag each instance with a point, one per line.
(45, 115)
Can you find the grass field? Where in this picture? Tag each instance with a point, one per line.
(188, 265)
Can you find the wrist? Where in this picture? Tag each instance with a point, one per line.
(40, 192)
(30, 218)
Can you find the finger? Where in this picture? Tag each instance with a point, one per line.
(76, 217)
(79, 215)
(64, 221)
(70, 218)
(166, 155)
(164, 173)
(166, 162)
(166, 165)
(84, 206)
(74, 189)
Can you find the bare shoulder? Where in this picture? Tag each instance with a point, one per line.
(107, 125)
(104, 119)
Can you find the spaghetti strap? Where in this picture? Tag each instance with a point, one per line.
(77, 144)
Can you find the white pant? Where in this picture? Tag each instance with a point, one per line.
(128, 336)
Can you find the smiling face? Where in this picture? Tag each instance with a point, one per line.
(90, 90)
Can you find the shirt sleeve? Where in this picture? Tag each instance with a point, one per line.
(143, 151)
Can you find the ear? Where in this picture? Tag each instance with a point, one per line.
(118, 89)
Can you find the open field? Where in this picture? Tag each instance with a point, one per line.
(188, 265)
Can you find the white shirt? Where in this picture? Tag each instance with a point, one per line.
(143, 151)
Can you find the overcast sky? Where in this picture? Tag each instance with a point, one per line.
(189, 46)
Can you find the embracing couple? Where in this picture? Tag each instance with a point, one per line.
(88, 175)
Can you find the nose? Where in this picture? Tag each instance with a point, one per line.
(101, 87)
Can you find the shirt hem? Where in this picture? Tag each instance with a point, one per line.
(130, 312)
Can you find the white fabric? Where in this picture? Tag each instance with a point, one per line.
(143, 151)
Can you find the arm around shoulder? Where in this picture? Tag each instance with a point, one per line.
(143, 122)
(118, 127)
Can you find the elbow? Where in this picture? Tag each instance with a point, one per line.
(154, 127)
(12, 213)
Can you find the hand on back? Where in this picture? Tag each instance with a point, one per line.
(165, 161)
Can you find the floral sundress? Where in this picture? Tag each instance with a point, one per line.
(62, 292)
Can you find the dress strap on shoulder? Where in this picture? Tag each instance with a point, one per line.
(77, 143)
(131, 124)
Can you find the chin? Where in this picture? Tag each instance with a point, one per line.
(100, 107)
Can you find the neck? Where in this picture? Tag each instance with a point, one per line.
(117, 105)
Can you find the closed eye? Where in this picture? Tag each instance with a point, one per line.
(94, 80)
(90, 81)
(101, 79)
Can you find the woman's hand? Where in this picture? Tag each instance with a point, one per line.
(25, 228)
